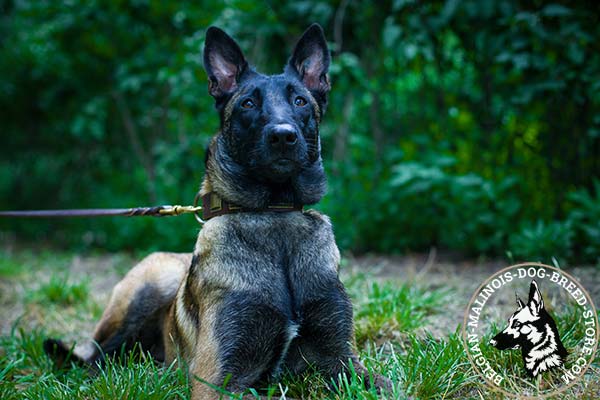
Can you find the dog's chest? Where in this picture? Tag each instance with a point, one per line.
(282, 258)
(268, 268)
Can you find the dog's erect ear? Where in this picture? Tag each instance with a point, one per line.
(310, 60)
(520, 304)
(535, 303)
(223, 61)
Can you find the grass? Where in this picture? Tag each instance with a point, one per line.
(26, 373)
(386, 310)
(436, 368)
(60, 291)
(52, 296)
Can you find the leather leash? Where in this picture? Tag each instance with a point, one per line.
(156, 211)
(213, 206)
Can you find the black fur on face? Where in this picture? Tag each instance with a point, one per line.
(268, 149)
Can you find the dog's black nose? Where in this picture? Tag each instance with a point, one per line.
(282, 136)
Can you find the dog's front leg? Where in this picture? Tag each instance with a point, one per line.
(240, 345)
(325, 340)
(326, 330)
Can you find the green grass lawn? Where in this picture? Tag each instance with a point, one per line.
(403, 331)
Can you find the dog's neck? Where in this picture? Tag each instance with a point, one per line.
(234, 184)
(545, 352)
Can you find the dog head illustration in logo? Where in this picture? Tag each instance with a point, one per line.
(532, 330)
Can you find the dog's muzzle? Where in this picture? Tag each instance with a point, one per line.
(282, 137)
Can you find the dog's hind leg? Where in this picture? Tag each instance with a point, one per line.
(135, 312)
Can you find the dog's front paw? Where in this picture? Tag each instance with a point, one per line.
(63, 356)
(58, 352)
(381, 383)
(385, 387)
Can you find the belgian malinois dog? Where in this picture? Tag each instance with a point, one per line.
(532, 329)
(260, 294)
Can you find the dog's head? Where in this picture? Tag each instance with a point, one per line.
(526, 325)
(268, 148)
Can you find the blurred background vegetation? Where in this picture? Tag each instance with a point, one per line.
(472, 126)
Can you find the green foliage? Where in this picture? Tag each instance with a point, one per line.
(8, 267)
(430, 205)
(585, 219)
(542, 242)
(454, 124)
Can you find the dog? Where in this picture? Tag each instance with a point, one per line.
(532, 329)
(260, 293)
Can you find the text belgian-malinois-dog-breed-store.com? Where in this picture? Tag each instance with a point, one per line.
(260, 294)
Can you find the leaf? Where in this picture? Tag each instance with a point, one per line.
(555, 10)
(391, 32)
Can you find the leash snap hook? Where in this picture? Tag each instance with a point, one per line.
(197, 209)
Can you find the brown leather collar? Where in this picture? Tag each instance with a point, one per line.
(213, 206)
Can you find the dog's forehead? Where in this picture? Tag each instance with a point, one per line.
(523, 315)
(284, 80)
(274, 83)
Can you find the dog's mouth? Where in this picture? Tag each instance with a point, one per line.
(278, 170)
(283, 163)
(282, 168)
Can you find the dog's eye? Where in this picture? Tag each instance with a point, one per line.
(248, 104)
(300, 101)
(516, 325)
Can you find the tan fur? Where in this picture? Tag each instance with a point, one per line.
(188, 333)
(197, 346)
(229, 109)
(165, 270)
(316, 107)
(204, 363)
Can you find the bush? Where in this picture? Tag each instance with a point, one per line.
(427, 204)
(542, 241)
(585, 219)
(445, 118)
